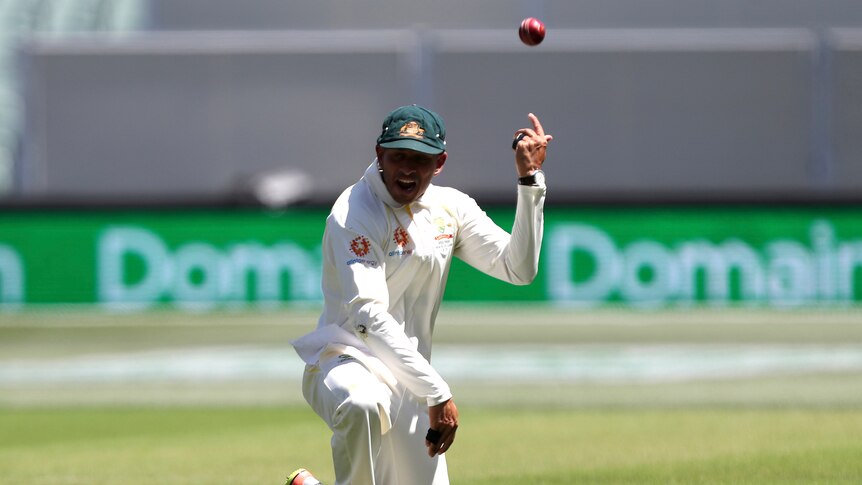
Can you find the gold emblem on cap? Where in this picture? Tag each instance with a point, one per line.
(412, 130)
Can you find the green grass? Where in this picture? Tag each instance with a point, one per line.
(662, 446)
(785, 428)
(259, 445)
(158, 445)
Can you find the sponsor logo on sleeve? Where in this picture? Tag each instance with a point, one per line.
(360, 246)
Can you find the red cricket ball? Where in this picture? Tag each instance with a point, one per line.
(532, 31)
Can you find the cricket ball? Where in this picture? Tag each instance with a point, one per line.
(532, 31)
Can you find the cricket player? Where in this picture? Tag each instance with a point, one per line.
(387, 249)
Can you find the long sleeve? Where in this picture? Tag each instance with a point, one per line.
(385, 268)
(360, 280)
(509, 257)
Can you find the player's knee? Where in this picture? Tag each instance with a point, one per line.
(362, 409)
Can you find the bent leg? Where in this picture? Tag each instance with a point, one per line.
(406, 443)
(353, 403)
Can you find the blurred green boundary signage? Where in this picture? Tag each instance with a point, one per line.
(591, 256)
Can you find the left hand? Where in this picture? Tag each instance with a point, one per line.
(444, 420)
(530, 151)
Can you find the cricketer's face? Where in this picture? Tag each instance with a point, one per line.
(408, 173)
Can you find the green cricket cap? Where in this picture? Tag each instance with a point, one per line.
(414, 128)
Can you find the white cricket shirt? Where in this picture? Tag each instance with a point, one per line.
(385, 267)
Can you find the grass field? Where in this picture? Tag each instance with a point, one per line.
(784, 425)
(212, 445)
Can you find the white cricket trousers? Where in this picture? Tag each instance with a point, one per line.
(358, 408)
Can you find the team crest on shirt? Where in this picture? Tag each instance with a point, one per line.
(445, 233)
(445, 229)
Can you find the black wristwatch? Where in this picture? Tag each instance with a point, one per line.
(536, 179)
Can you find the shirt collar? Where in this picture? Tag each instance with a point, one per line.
(375, 181)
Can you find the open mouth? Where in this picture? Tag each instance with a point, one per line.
(405, 185)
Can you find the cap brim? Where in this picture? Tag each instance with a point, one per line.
(412, 145)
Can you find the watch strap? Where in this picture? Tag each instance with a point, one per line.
(528, 180)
